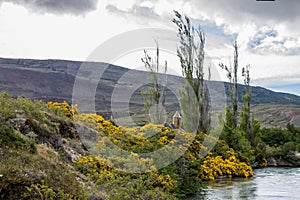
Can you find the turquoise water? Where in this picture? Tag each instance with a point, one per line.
(267, 184)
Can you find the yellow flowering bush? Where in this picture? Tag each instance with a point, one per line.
(98, 122)
(149, 138)
(68, 110)
(263, 162)
(101, 171)
(213, 167)
(137, 139)
(165, 180)
(94, 167)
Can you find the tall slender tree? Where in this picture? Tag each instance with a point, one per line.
(232, 75)
(194, 96)
(248, 124)
(154, 98)
(245, 123)
(233, 133)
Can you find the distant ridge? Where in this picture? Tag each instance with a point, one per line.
(53, 80)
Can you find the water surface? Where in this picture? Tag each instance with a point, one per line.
(267, 184)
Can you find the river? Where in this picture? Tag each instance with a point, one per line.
(267, 184)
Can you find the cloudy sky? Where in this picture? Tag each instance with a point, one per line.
(268, 33)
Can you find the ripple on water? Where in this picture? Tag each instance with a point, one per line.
(267, 184)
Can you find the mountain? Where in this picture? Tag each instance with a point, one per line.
(119, 89)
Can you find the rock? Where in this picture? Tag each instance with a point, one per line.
(171, 126)
(69, 152)
(282, 162)
(67, 130)
(87, 136)
(20, 113)
(17, 123)
(271, 162)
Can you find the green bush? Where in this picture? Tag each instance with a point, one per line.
(12, 139)
(40, 191)
(288, 148)
(275, 136)
(7, 106)
(298, 147)
(43, 172)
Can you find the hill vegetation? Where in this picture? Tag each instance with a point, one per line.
(46, 156)
(53, 152)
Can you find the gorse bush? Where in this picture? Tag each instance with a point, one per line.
(214, 167)
(182, 177)
(63, 108)
(122, 185)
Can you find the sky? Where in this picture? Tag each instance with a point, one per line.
(268, 33)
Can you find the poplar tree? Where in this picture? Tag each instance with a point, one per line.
(154, 98)
(233, 84)
(235, 134)
(194, 96)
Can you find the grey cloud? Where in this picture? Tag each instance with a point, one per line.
(237, 10)
(136, 11)
(74, 7)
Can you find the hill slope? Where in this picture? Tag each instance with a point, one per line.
(53, 80)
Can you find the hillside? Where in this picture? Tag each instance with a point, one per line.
(53, 80)
(277, 115)
(50, 151)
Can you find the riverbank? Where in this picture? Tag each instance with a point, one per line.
(294, 161)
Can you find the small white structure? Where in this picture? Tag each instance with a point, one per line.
(176, 120)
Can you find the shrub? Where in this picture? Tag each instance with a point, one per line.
(42, 172)
(9, 138)
(214, 167)
(63, 108)
(7, 106)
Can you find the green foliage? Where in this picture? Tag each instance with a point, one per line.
(120, 185)
(276, 136)
(234, 137)
(41, 171)
(24, 124)
(40, 191)
(194, 92)
(282, 143)
(7, 107)
(255, 136)
(9, 138)
(233, 78)
(243, 134)
(189, 106)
